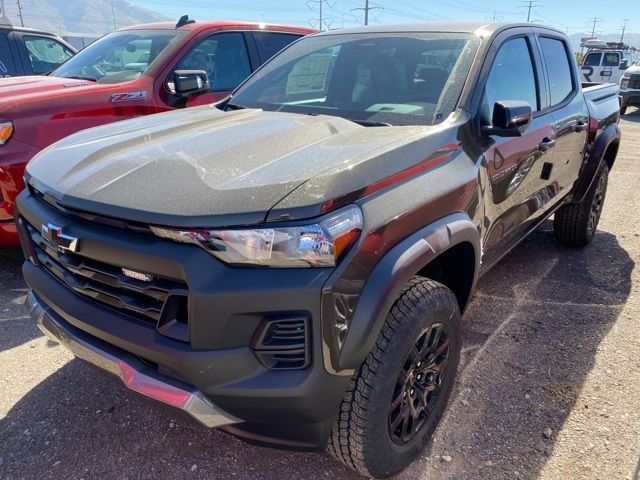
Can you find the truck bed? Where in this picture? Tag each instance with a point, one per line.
(602, 99)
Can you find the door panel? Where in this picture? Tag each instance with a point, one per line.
(569, 112)
(515, 165)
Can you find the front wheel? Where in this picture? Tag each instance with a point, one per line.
(575, 223)
(398, 395)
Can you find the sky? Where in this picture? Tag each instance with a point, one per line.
(572, 16)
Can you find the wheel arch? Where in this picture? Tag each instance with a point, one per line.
(605, 149)
(448, 249)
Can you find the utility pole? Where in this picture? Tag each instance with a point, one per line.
(366, 10)
(20, 13)
(113, 14)
(530, 4)
(624, 28)
(322, 21)
(595, 21)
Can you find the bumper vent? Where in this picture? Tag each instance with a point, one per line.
(283, 343)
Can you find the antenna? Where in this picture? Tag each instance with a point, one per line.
(184, 20)
(366, 10)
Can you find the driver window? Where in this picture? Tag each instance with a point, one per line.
(511, 77)
(223, 56)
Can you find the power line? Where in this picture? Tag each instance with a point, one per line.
(494, 18)
(322, 21)
(366, 10)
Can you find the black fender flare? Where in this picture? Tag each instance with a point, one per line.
(588, 172)
(390, 276)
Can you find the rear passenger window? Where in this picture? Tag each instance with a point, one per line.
(558, 68)
(270, 43)
(592, 59)
(511, 77)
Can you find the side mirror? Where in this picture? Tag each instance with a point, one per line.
(510, 118)
(190, 82)
(624, 64)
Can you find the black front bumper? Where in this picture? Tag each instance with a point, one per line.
(630, 98)
(226, 306)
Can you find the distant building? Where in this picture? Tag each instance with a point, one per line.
(80, 40)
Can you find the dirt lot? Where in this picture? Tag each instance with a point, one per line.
(550, 385)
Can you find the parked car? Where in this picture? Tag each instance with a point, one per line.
(630, 88)
(294, 268)
(24, 51)
(607, 63)
(132, 72)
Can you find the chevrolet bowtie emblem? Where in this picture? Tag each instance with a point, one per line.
(58, 240)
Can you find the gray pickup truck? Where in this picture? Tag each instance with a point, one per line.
(292, 264)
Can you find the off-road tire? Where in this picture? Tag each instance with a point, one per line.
(360, 437)
(574, 224)
(623, 110)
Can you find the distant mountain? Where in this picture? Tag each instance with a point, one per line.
(632, 39)
(80, 16)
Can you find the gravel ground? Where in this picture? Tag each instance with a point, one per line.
(549, 389)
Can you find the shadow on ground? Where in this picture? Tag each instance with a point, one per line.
(15, 327)
(531, 336)
(532, 333)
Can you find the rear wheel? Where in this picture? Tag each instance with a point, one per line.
(398, 395)
(575, 223)
(623, 110)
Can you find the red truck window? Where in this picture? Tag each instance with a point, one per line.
(223, 56)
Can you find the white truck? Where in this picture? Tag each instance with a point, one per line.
(606, 61)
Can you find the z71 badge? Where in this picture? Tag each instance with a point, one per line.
(128, 97)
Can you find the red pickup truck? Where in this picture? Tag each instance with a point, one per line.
(131, 72)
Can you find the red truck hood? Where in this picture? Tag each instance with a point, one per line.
(34, 85)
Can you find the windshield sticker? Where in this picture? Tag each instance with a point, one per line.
(309, 74)
(128, 97)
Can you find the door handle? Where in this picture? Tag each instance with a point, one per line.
(580, 127)
(546, 144)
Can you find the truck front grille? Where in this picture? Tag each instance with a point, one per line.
(634, 82)
(107, 284)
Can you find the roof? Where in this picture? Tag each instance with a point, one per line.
(224, 24)
(471, 26)
(27, 30)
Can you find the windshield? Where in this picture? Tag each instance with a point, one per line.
(118, 57)
(396, 79)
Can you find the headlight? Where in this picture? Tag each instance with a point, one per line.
(6, 129)
(624, 82)
(319, 244)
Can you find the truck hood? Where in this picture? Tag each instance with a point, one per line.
(633, 70)
(201, 166)
(15, 89)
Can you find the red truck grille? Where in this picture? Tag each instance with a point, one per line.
(106, 284)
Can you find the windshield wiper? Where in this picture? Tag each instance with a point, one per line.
(234, 106)
(78, 77)
(370, 123)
